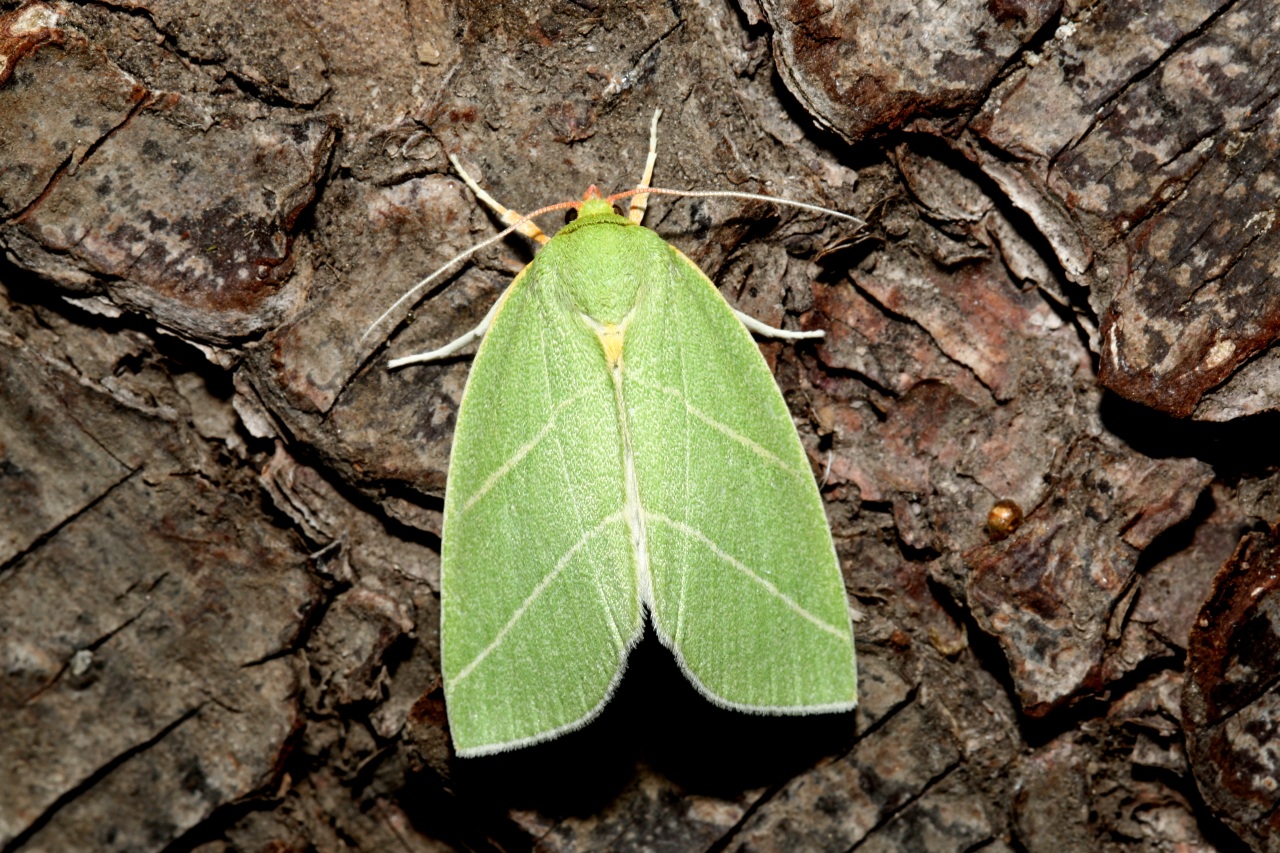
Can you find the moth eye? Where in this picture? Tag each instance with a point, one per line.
(1004, 518)
(617, 208)
(570, 214)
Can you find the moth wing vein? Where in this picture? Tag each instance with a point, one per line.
(726, 430)
(520, 453)
(533, 596)
(742, 567)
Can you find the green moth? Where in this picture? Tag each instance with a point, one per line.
(622, 449)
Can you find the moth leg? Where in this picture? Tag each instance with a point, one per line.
(640, 201)
(506, 214)
(453, 346)
(768, 331)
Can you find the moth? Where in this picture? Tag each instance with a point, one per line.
(622, 450)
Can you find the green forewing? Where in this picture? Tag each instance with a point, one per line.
(542, 587)
(747, 590)
(539, 598)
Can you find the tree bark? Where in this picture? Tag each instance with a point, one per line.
(220, 512)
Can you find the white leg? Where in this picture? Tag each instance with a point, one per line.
(508, 216)
(768, 331)
(640, 201)
(453, 345)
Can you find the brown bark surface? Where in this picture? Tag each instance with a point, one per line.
(220, 512)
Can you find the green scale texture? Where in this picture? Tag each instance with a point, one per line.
(543, 590)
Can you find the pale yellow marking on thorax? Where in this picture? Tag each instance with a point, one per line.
(611, 338)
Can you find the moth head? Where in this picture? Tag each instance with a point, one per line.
(594, 204)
